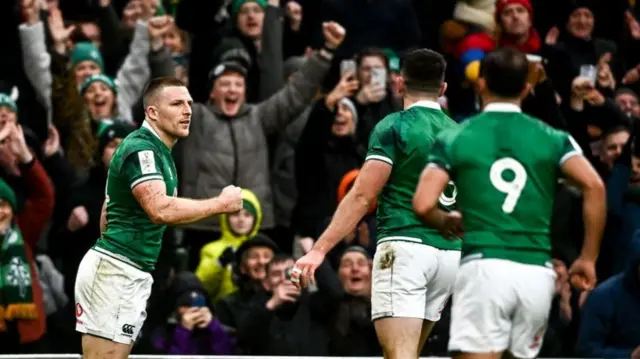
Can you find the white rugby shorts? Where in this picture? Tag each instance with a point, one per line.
(111, 297)
(412, 280)
(500, 305)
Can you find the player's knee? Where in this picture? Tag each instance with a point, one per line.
(99, 348)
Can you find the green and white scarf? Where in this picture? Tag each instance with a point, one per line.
(16, 297)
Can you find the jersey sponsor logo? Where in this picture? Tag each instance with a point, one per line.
(446, 200)
(147, 162)
(127, 329)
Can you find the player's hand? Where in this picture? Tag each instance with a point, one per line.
(452, 226)
(305, 268)
(231, 199)
(78, 219)
(285, 292)
(189, 318)
(583, 274)
(636, 353)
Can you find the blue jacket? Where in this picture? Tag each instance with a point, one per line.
(609, 322)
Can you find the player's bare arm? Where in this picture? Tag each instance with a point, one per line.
(370, 181)
(103, 218)
(356, 204)
(433, 181)
(581, 173)
(164, 209)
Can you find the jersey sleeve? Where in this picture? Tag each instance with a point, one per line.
(382, 144)
(569, 148)
(142, 166)
(440, 154)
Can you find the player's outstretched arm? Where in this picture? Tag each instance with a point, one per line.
(370, 181)
(433, 181)
(163, 209)
(580, 172)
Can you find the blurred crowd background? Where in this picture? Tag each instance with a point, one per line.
(291, 128)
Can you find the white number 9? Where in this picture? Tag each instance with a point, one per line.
(512, 188)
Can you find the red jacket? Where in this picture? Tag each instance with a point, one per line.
(31, 220)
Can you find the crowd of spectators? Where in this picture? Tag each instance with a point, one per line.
(290, 127)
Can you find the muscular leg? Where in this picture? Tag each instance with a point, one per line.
(100, 348)
(427, 326)
(399, 337)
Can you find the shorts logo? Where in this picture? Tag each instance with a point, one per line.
(147, 162)
(127, 329)
(79, 310)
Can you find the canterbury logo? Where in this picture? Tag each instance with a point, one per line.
(128, 329)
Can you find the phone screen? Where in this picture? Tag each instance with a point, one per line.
(379, 75)
(347, 66)
(199, 301)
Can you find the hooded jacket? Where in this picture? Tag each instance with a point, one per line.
(217, 257)
(609, 322)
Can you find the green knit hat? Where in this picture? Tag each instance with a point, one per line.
(6, 100)
(393, 60)
(98, 78)
(237, 4)
(7, 194)
(86, 51)
(247, 205)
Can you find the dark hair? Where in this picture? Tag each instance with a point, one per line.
(505, 71)
(616, 129)
(277, 259)
(423, 71)
(371, 52)
(158, 84)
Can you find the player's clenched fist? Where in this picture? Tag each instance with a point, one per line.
(231, 199)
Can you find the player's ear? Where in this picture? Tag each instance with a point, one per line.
(443, 89)
(151, 112)
(399, 82)
(480, 85)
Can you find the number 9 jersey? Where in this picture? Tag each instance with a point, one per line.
(506, 167)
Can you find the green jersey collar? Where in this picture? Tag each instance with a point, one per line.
(501, 107)
(426, 103)
(146, 125)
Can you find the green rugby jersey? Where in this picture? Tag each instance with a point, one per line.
(506, 166)
(403, 140)
(130, 234)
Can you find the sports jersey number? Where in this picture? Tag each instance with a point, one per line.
(512, 188)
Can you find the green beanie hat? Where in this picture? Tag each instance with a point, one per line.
(7, 194)
(86, 51)
(393, 60)
(249, 207)
(98, 78)
(237, 4)
(6, 100)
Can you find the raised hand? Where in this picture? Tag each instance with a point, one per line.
(333, 33)
(52, 143)
(59, 33)
(30, 11)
